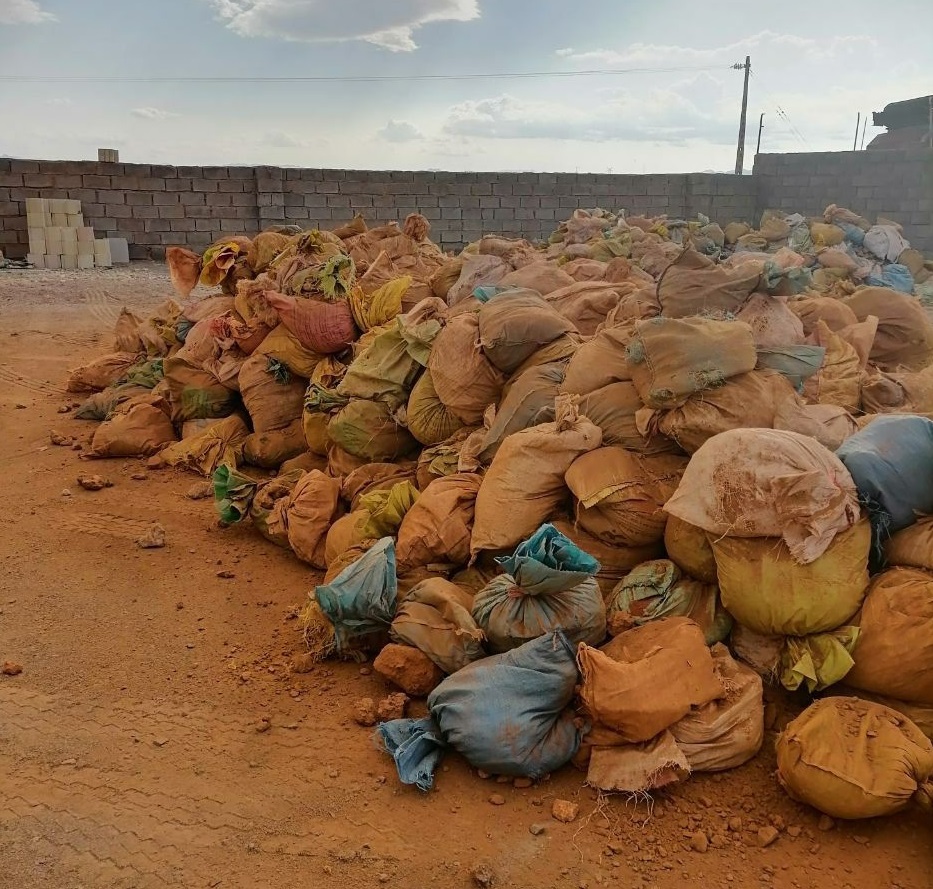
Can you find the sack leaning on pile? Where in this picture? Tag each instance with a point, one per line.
(526, 386)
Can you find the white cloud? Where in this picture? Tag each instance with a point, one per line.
(399, 131)
(281, 139)
(789, 46)
(689, 110)
(61, 102)
(389, 24)
(150, 113)
(23, 12)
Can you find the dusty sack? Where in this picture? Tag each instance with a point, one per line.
(437, 529)
(272, 403)
(646, 679)
(599, 361)
(464, 379)
(912, 547)
(620, 494)
(614, 408)
(525, 483)
(101, 372)
(854, 759)
(324, 327)
(435, 618)
(137, 428)
(768, 483)
(694, 284)
(728, 732)
(670, 359)
(894, 652)
(271, 449)
(690, 550)
(766, 590)
(308, 513)
(529, 402)
(905, 332)
(514, 324)
(427, 417)
(368, 431)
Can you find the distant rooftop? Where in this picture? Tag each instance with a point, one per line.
(900, 115)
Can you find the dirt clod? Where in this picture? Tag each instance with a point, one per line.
(364, 712)
(537, 829)
(94, 482)
(522, 783)
(483, 876)
(263, 725)
(699, 842)
(200, 491)
(392, 707)
(60, 440)
(497, 799)
(154, 538)
(825, 823)
(735, 824)
(767, 836)
(408, 668)
(304, 662)
(564, 810)
(11, 668)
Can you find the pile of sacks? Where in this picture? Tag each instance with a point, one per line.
(647, 449)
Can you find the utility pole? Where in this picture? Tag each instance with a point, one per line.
(740, 151)
(858, 123)
(761, 126)
(864, 126)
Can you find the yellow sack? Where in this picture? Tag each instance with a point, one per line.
(380, 306)
(314, 426)
(386, 509)
(689, 549)
(825, 234)
(206, 450)
(855, 759)
(912, 547)
(820, 660)
(282, 345)
(766, 590)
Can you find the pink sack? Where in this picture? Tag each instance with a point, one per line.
(323, 327)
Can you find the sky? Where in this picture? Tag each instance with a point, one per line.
(670, 104)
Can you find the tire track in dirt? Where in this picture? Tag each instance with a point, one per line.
(115, 816)
(33, 384)
(105, 523)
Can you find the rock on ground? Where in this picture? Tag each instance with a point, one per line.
(408, 668)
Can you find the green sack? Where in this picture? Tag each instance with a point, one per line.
(233, 494)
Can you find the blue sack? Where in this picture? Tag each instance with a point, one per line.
(505, 713)
(854, 235)
(416, 747)
(895, 276)
(361, 600)
(796, 363)
(891, 462)
(486, 292)
(548, 562)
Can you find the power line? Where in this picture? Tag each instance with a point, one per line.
(380, 78)
(781, 113)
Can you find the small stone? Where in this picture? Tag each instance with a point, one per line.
(564, 810)
(63, 408)
(483, 876)
(66, 492)
(497, 799)
(160, 742)
(200, 491)
(77, 446)
(94, 482)
(364, 712)
(699, 842)
(303, 662)
(825, 823)
(861, 840)
(366, 671)
(481, 774)
(11, 668)
(793, 831)
(392, 707)
(226, 575)
(503, 779)
(154, 538)
(735, 824)
(522, 783)
(262, 726)
(767, 835)
(384, 878)
(139, 476)
(537, 829)
(62, 441)
(21, 407)
(409, 668)
(778, 822)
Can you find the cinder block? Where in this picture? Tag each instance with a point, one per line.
(53, 236)
(57, 205)
(119, 251)
(60, 220)
(86, 235)
(36, 206)
(75, 220)
(36, 233)
(72, 207)
(69, 248)
(53, 260)
(69, 263)
(85, 260)
(37, 259)
(102, 253)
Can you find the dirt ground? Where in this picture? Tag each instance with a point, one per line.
(129, 750)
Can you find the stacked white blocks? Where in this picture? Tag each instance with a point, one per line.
(59, 239)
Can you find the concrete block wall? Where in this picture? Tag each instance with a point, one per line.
(157, 206)
(895, 184)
